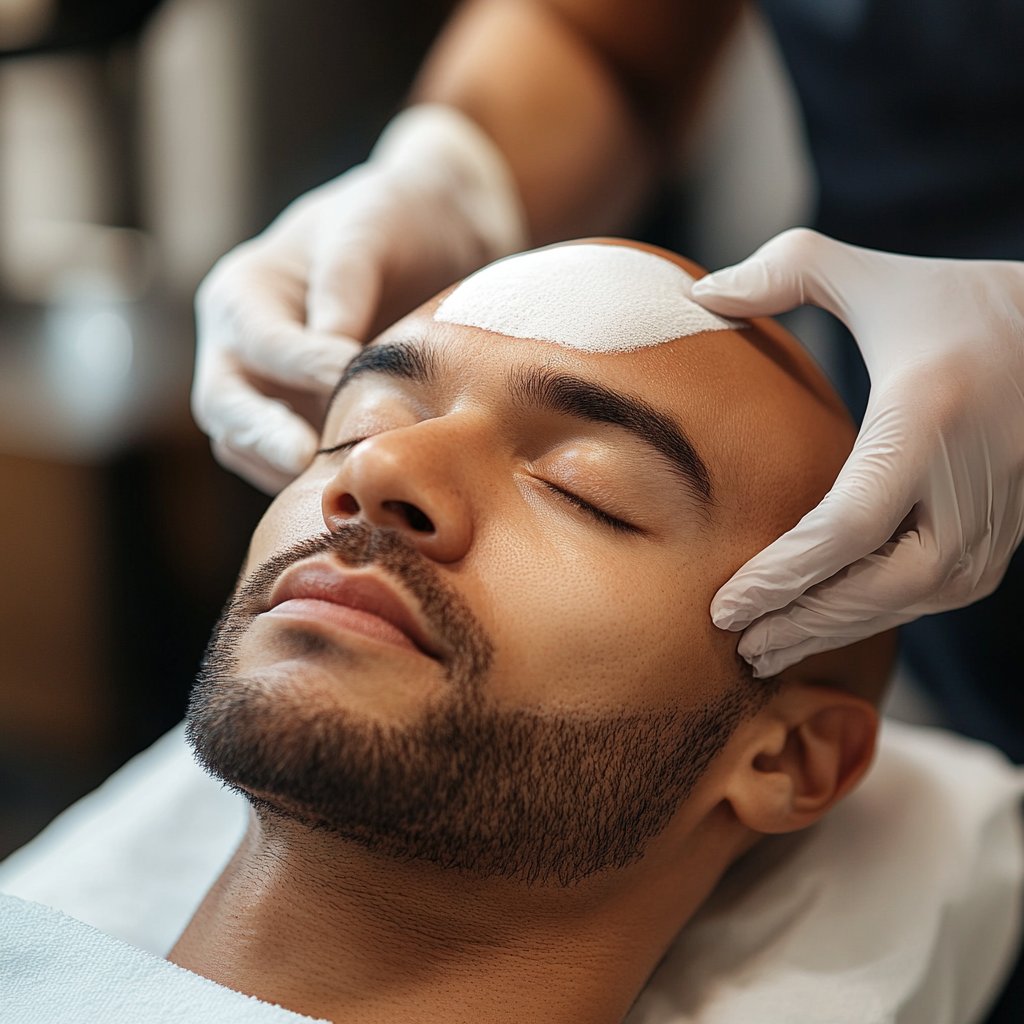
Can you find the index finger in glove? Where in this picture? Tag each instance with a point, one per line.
(786, 272)
(344, 289)
(885, 589)
(772, 662)
(866, 505)
(259, 316)
(256, 471)
(252, 434)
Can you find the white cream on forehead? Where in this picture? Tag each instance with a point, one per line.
(592, 297)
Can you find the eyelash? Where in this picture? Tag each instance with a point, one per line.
(343, 447)
(619, 525)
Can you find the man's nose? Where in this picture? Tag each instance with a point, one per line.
(403, 480)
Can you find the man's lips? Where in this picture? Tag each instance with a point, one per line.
(356, 601)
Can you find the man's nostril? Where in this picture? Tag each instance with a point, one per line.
(416, 519)
(348, 505)
(420, 521)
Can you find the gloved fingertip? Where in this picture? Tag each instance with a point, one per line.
(724, 619)
(757, 660)
(327, 365)
(753, 644)
(728, 613)
(327, 377)
(764, 666)
(714, 284)
(252, 469)
(735, 291)
(288, 452)
(765, 662)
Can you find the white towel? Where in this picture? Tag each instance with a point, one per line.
(135, 857)
(56, 970)
(902, 907)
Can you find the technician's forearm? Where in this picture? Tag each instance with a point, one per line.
(583, 150)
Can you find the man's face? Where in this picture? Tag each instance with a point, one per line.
(476, 629)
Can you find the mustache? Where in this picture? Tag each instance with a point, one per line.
(358, 545)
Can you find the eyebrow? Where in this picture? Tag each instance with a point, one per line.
(585, 400)
(402, 360)
(558, 392)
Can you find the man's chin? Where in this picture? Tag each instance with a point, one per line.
(372, 685)
(284, 818)
(271, 808)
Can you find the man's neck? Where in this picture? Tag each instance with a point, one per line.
(323, 928)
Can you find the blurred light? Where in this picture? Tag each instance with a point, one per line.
(100, 349)
(88, 360)
(24, 22)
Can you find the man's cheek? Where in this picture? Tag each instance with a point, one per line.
(575, 650)
(294, 515)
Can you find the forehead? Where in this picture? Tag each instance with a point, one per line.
(711, 382)
(667, 376)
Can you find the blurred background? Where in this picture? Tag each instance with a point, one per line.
(139, 141)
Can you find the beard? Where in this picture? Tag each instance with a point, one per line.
(534, 796)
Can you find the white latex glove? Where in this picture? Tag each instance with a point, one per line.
(280, 316)
(929, 507)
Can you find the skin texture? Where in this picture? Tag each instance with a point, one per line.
(582, 620)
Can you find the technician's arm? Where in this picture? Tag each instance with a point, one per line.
(583, 97)
(537, 120)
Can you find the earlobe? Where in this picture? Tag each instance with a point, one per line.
(800, 756)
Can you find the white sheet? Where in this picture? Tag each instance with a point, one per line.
(903, 907)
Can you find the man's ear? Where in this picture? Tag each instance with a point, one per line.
(800, 755)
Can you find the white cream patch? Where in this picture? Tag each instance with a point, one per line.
(592, 297)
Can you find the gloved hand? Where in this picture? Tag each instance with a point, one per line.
(280, 316)
(929, 507)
